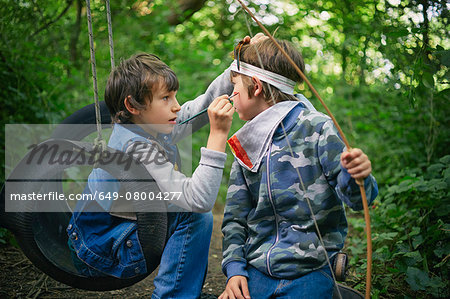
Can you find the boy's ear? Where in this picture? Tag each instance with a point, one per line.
(257, 86)
(129, 106)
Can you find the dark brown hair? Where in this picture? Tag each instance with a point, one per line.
(136, 77)
(273, 60)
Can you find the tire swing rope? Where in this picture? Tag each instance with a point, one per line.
(99, 142)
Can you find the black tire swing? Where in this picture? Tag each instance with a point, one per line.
(42, 235)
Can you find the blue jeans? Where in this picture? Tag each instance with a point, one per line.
(184, 261)
(317, 284)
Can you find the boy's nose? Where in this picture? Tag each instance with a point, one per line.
(176, 107)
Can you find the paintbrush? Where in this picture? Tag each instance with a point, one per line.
(205, 110)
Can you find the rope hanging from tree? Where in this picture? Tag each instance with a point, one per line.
(99, 142)
(110, 34)
(99, 139)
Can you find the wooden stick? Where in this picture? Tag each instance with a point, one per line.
(204, 110)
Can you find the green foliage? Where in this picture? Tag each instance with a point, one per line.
(7, 238)
(3, 233)
(411, 236)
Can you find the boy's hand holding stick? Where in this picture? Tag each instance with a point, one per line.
(206, 109)
(357, 163)
(220, 113)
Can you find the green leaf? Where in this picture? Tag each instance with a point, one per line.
(428, 80)
(445, 159)
(437, 286)
(415, 231)
(435, 168)
(417, 279)
(387, 236)
(398, 32)
(440, 186)
(447, 176)
(3, 233)
(442, 250)
(417, 241)
(444, 57)
(413, 258)
(392, 270)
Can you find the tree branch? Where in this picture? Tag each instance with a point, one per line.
(69, 3)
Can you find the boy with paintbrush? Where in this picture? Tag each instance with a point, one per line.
(141, 97)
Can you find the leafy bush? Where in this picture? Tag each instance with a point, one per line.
(411, 239)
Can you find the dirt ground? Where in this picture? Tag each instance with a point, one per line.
(20, 279)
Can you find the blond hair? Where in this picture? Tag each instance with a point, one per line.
(272, 60)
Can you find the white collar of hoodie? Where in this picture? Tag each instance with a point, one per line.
(251, 142)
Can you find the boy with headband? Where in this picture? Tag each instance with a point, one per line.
(290, 167)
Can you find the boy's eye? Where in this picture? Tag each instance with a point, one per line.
(166, 98)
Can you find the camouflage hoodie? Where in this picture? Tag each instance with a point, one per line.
(267, 222)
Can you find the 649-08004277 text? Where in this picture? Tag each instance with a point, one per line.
(58, 196)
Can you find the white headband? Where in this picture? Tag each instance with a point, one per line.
(284, 84)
